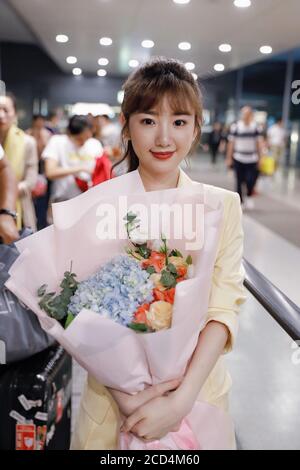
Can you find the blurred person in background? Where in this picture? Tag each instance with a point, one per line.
(244, 150)
(214, 140)
(109, 133)
(224, 140)
(8, 196)
(52, 124)
(41, 192)
(39, 132)
(96, 122)
(277, 139)
(69, 156)
(21, 151)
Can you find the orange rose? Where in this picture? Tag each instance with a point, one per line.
(181, 271)
(157, 260)
(140, 314)
(158, 294)
(169, 295)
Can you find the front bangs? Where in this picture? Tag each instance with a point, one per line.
(180, 95)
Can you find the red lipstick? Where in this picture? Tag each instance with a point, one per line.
(162, 155)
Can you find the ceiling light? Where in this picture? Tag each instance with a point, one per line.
(71, 59)
(120, 96)
(147, 43)
(225, 47)
(103, 61)
(105, 41)
(242, 3)
(195, 76)
(266, 50)
(133, 63)
(294, 137)
(62, 38)
(101, 73)
(181, 2)
(219, 67)
(77, 71)
(189, 66)
(184, 46)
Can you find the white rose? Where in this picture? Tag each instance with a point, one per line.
(155, 245)
(138, 237)
(160, 315)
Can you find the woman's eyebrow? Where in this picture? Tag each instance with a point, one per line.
(177, 113)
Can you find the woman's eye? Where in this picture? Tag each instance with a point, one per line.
(179, 122)
(147, 121)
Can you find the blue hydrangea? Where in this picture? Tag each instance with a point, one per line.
(115, 291)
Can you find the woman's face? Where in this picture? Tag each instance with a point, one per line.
(7, 113)
(80, 139)
(160, 138)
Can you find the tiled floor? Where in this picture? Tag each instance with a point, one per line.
(265, 399)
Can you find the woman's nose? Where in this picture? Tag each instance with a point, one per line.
(163, 136)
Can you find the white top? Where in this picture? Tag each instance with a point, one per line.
(62, 149)
(1, 152)
(276, 135)
(245, 139)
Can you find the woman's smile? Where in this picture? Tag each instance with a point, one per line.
(162, 155)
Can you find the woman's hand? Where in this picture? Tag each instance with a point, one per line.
(159, 416)
(128, 404)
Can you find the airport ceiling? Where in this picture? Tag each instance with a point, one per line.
(205, 24)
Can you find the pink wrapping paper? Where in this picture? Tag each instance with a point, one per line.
(115, 355)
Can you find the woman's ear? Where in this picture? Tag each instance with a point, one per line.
(197, 130)
(124, 125)
(122, 119)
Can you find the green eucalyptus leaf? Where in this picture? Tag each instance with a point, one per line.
(167, 279)
(69, 319)
(42, 290)
(171, 268)
(176, 253)
(151, 270)
(189, 260)
(142, 327)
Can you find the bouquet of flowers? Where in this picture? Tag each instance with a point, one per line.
(152, 289)
(136, 290)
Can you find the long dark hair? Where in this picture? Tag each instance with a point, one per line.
(147, 85)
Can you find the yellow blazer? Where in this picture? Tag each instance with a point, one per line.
(98, 418)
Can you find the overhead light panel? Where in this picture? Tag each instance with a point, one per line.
(103, 61)
(219, 67)
(71, 59)
(184, 46)
(105, 41)
(242, 3)
(189, 66)
(266, 50)
(225, 48)
(148, 43)
(62, 38)
(77, 71)
(133, 63)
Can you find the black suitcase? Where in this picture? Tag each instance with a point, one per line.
(35, 402)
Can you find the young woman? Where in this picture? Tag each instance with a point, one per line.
(162, 116)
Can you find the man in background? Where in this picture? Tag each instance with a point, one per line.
(244, 151)
(276, 137)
